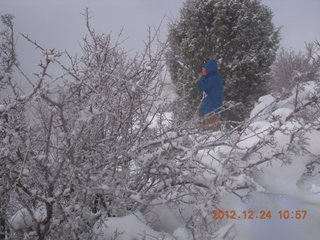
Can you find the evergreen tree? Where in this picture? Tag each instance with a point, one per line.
(239, 34)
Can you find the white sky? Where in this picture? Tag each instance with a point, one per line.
(59, 24)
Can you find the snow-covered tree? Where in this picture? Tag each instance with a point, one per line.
(239, 34)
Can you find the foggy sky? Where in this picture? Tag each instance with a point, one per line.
(59, 23)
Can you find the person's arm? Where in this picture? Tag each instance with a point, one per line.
(204, 83)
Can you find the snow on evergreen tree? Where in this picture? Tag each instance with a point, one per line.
(239, 34)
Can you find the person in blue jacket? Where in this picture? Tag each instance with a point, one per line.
(212, 84)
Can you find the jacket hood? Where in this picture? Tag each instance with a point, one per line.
(211, 67)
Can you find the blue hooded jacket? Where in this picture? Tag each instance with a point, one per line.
(212, 85)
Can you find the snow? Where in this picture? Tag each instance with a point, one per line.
(2, 108)
(263, 108)
(315, 189)
(255, 126)
(21, 219)
(258, 133)
(163, 217)
(281, 114)
(182, 233)
(276, 228)
(284, 186)
(88, 113)
(277, 184)
(163, 119)
(128, 227)
(21, 98)
(166, 217)
(308, 90)
(313, 138)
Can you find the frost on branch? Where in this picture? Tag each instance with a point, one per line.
(95, 145)
(91, 152)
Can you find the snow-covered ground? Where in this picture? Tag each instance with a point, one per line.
(129, 227)
(286, 184)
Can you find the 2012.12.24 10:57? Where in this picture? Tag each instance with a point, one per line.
(263, 214)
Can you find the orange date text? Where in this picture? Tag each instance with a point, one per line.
(262, 214)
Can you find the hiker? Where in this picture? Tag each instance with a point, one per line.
(212, 84)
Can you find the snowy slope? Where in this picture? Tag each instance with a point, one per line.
(286, 184)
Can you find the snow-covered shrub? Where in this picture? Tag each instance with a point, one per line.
(96, 143)
(292, 68)
(91, 153)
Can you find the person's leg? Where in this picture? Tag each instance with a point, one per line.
(211, 122)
